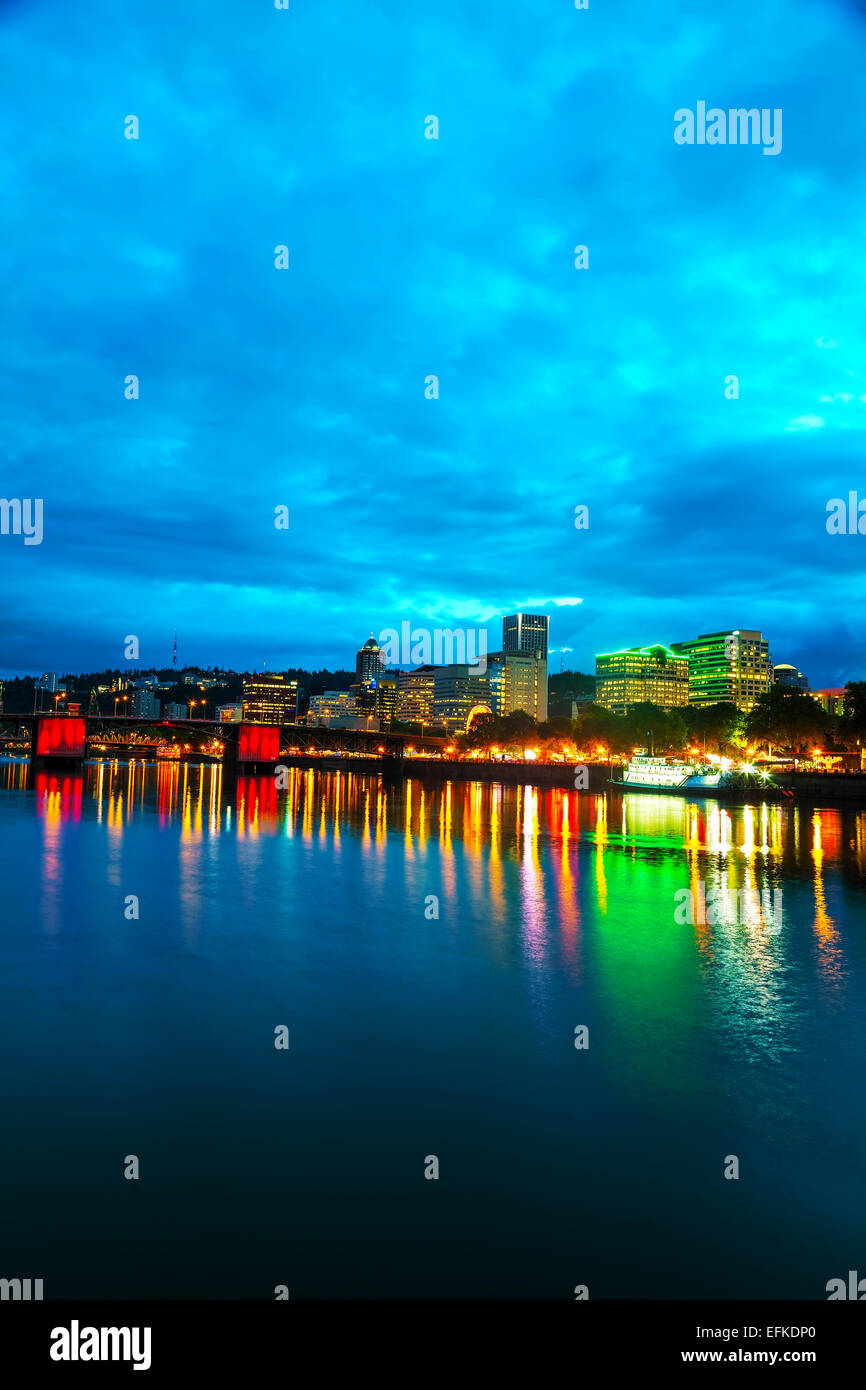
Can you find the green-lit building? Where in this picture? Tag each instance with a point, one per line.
(637, 674)
(734, 667)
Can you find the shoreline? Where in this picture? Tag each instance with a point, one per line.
(808, 787)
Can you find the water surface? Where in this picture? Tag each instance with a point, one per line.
(413, 1035)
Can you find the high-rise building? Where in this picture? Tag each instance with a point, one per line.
(270, 700)
(458, 691)
(415, 695)
(831, 701)
(638, 674)
(732, 667)
(525, 632)
(517, 681)
(385, 691)
(787, 675)
(145, 705)
(331, 704)
(369, 662)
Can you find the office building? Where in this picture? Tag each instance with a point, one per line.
(831, 701)
(525, 632)
(415, 695)
(635, 675)
(332, 705)
(144, 705)
(175, 710)
(732, 667)
(385, 690)
(369, 662)
(517, 681)
(365, 723)
(458, 693)
(229, 714)
(270, 700)
(789, 676)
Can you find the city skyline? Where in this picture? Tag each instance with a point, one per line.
(347, 661)
(557, 388)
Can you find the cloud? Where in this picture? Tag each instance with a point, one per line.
(409, 258)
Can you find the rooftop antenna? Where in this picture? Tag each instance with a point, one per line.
(174, 659)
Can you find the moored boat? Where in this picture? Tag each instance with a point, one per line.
(648, 773)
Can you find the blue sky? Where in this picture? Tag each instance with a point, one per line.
(411, 257)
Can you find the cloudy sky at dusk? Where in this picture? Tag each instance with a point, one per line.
(410, 257)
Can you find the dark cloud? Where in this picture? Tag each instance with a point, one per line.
(411, 257)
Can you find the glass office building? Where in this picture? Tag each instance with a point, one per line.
(638, 674)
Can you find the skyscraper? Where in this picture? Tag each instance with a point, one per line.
(525, 632)
(368, 662)
(415, 694)
(732, 667)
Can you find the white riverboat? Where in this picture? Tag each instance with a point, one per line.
(647, 773)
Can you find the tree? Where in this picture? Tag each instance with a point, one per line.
(518, 730)
(600, 727)
(481, 734)
(559, 726)
(852, 725)
(788, 718)
(715, 728)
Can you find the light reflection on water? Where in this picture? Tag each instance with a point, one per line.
(746, 847)
(556, 908)
(641, 848)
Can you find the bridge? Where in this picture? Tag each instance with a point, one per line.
(79, 737)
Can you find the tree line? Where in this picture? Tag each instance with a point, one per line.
(783, 721)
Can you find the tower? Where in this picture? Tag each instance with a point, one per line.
(368, 662)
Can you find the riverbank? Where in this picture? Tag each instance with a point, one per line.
(809, 787)
(806, 786)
